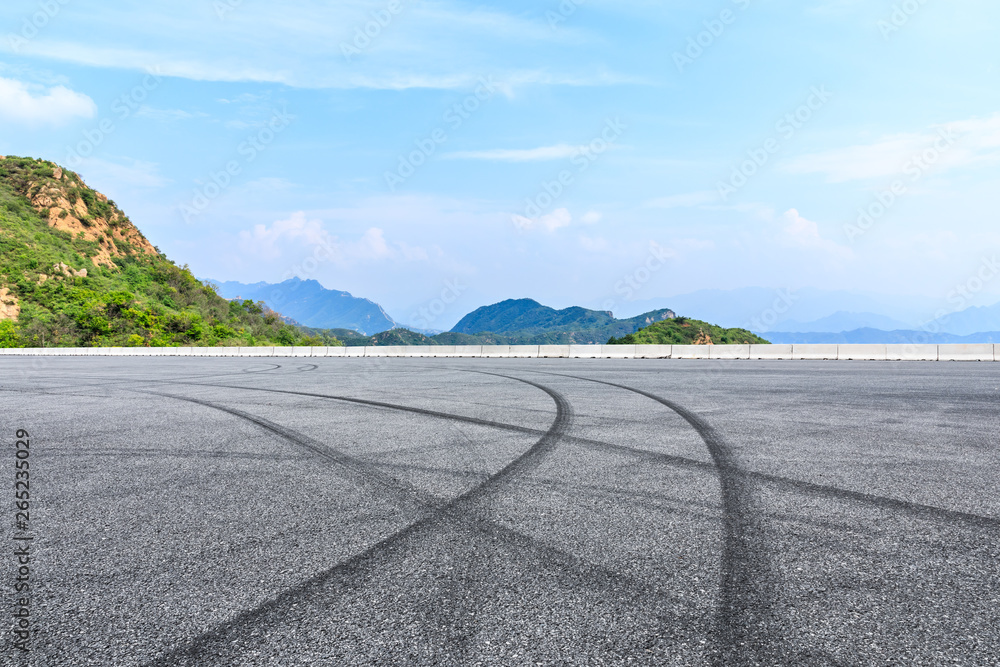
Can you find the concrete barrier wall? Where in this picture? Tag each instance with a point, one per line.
(966, 353)
(770, 351)
(982, 352)
(911, 352)
(729, 351)
(814, 352)
(862, 352)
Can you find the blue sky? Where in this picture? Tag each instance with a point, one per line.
(583, 153)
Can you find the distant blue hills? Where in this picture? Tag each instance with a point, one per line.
(821, 315)
(877, 336)
(312, 305)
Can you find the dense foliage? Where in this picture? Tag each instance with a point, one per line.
(680, 331)
(143, 299)
(685, 331)
(530, 323)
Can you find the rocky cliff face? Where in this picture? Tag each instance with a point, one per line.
(64, 200)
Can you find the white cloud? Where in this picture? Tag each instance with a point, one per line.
(559, 152)
(591, 218)
(439, 45)
(799, 232)
(972, 142)
(298, 232)
(263, 240)
(36, 105)
(549, 222)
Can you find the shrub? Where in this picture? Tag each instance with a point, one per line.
(8, 334)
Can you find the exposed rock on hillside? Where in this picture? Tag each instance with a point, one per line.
(64, 200)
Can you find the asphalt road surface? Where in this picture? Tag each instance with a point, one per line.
(503, 512)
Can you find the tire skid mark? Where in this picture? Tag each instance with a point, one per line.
(929, 512)
(273, 368)
(457, 513)
(409, 496)
(919, 510)
(744, 617)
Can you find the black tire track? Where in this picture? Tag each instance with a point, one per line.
(745, 622)
(459, 513)
(273, 368)
(919, 510)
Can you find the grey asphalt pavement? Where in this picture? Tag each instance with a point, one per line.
(503, 512)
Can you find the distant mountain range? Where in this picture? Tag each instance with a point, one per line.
(877, 336)
(526, 317)
(845, 321)
(816, 315)
(312, 305)
(781, 316)
(521, 322)
(772, 307)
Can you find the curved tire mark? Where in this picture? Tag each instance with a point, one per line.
(747, 594)
(455, 513)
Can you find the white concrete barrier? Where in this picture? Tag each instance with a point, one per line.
(553, 351)
(654, 351)
(440, 350)
(300, 351)
(983, 352)
(256, 351)
(996, 353)
(690, 352)
(620, 351)
(495, 351)
(523, 351)
(387, 351)
(770, 351)
(814, 352)
(355, 351)
(911, 352)
(469, 351)
(729, 351)
(586, 352)
(862, 352)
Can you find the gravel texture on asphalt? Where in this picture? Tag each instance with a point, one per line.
(504, 512)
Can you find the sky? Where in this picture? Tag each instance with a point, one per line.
(440, 156)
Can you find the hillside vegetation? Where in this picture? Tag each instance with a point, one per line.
(525, 321)
(75, 271)
(679, 331)
(685, 331)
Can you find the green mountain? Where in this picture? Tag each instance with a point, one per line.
(75, 271)
(572, 326)
(529, 321)
(685, 331)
